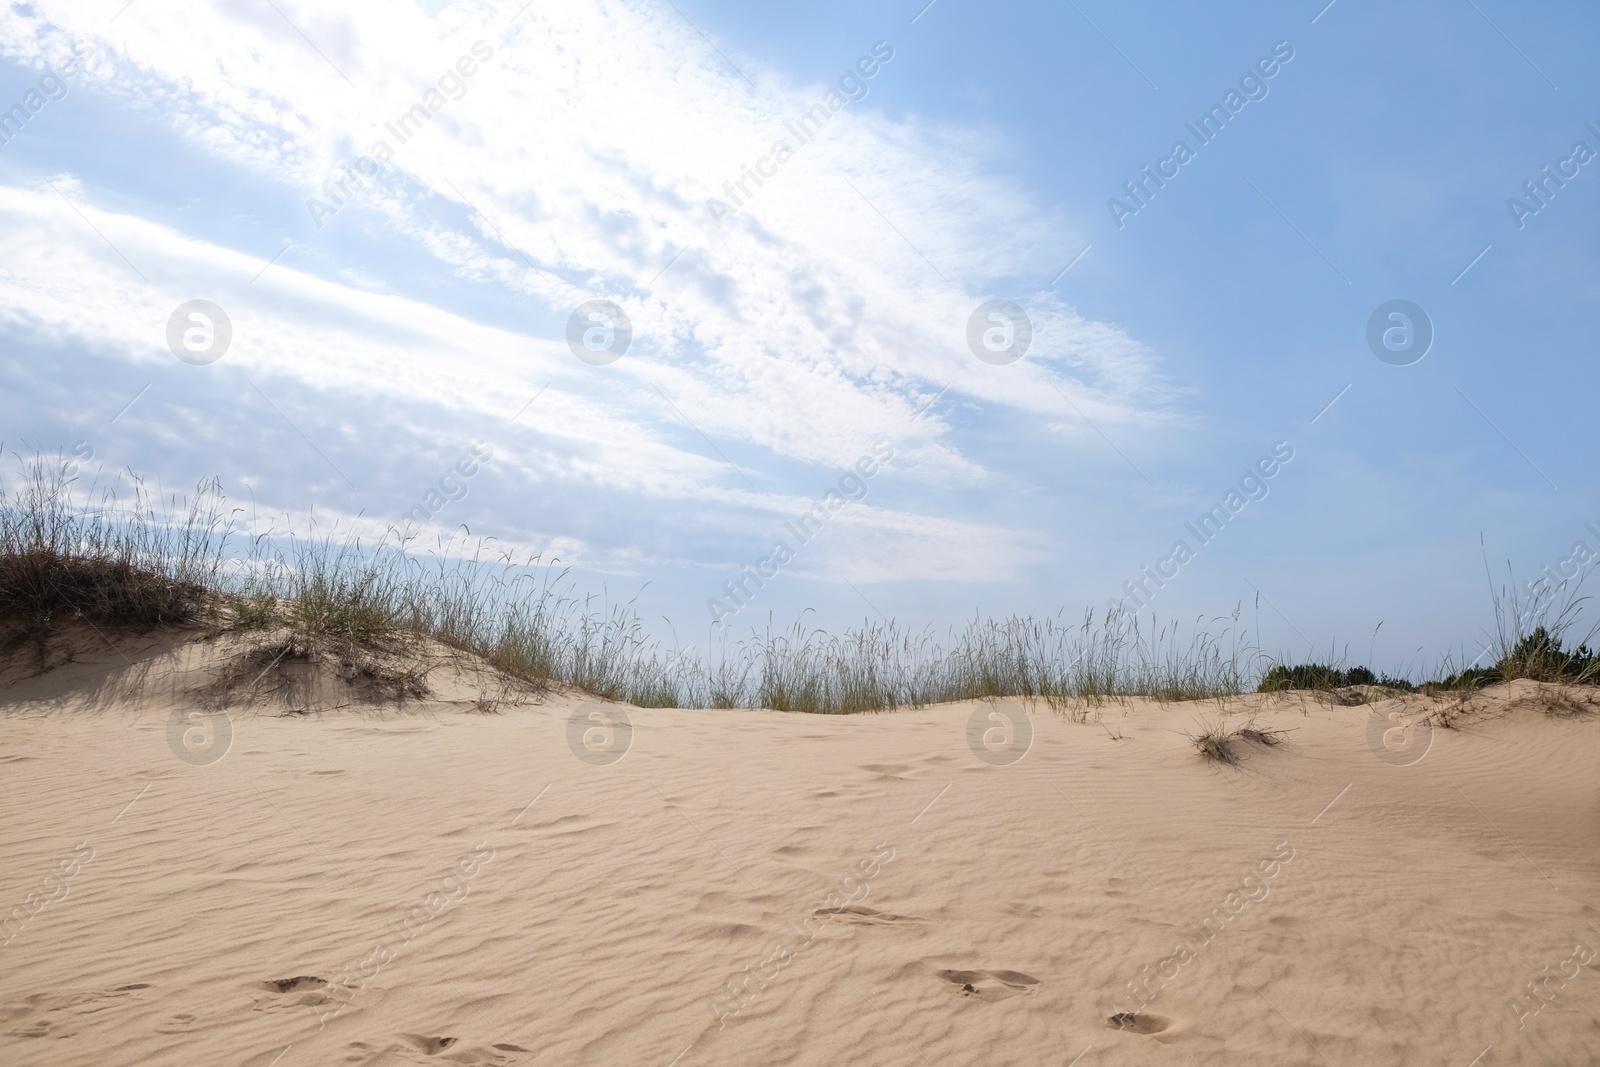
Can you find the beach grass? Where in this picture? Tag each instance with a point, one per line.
(140, 559)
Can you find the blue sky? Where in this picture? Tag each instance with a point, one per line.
(773, 346)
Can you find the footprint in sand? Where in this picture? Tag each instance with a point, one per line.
(420, 1048)
(36, 1028)
(856, 915)
(51, 1015)
(182, 1023)
(903, 771)
(26, 1019)
(991, 985)
(1138, 1022)
(307, 992)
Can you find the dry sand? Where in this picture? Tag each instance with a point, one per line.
(432, 884)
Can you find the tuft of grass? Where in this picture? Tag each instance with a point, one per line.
(246, 612)
(1257, 736)
(1558, 702)
(1449, 714)
(1217, 744)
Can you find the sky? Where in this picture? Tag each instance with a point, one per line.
(838, 311)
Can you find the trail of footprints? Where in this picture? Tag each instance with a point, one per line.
(422, 1048)
(307, 990)
(985, 985)
(982, 985)
(49, 1015)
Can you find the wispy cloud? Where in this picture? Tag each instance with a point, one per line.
(576, 163)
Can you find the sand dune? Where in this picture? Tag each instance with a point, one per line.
(418, 881)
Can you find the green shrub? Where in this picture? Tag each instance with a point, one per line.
(1280, 677)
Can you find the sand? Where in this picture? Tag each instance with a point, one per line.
(427, 882)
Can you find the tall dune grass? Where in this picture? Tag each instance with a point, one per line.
(71, 552)
(1533, 628)
(104, 559)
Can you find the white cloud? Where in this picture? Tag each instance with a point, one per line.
(876, 545)
(581, 155)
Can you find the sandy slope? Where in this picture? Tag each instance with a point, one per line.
(435, 885)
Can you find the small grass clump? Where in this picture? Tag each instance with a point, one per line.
(1560, 702)
(1257, 736)
(1217, 744)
